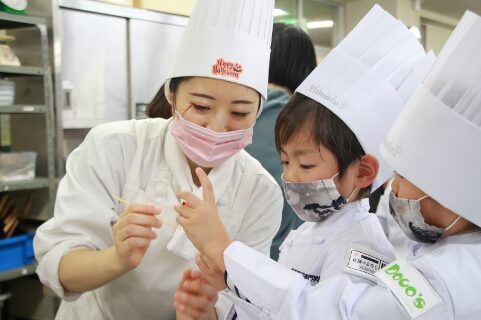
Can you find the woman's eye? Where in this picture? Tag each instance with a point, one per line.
(240, 114)
(200, 108)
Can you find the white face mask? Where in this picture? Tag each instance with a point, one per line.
(314, 201)
(407, 214)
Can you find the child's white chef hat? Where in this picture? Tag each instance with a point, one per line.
(368, 77)
(436, 141)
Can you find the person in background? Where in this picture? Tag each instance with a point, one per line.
(434, 147)
(113, 249)
(328, 138)
(292, 59)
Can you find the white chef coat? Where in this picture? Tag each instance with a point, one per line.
(141, 162)
(450, 267)
(319, 250)
(351, 242)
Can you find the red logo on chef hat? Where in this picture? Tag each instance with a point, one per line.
(227, 68)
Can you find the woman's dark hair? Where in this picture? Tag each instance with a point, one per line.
(326, 127)
(159, 107)
(292, 56)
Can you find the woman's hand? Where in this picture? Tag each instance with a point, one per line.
(133, 234)
(202, 223)
(195, 298)
(87, 269)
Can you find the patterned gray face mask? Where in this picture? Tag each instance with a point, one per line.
(314, 201)
(407, 214)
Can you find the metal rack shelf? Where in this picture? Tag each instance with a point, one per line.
(35, 78)
(31, 127)
(26, 108)
(22, 70)
(10, 21)
(17, 272)
(36, 183)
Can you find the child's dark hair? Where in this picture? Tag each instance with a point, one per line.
(326, 128)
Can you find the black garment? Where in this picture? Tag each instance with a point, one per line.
(374, 199)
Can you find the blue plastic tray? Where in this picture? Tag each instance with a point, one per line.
(16, 251)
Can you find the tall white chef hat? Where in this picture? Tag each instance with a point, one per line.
(228, 40)
(436, 141)
(367, 79)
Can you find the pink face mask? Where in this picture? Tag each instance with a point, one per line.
(205, 147)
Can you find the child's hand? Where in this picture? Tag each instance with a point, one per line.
(211, 272)
(195, 298)
(202, 223)
(133, 234)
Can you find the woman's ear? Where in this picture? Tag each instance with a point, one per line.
(368, 170)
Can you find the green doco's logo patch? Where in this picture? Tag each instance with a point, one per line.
(410, 290)
(409, 286)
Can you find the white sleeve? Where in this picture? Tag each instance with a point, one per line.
(376, 303)
(84, 208)
(222, 307)
(280, 293)
(260, 224)
(263, 289)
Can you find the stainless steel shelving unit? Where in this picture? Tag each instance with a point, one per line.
(17, 272)
(36, 183)
(27, 108)
(33, 121)
(12, 71)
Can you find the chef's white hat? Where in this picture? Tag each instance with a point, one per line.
(436, 141)
(228, 40)
(367, 79)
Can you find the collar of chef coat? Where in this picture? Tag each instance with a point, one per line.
(349, 214)
(420, 249)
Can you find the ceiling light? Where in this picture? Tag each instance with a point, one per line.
(319, 24)
(280, 12)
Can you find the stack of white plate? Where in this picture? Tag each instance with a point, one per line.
(17, 166)
(7, 92)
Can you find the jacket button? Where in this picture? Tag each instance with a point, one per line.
(160, 192)
(223, 201)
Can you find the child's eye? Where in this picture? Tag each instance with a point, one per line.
(306, 167)
(200, 108)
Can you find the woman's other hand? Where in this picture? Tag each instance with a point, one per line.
(133, 233)
(195, 298)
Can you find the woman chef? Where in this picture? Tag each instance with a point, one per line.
(122, 259)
